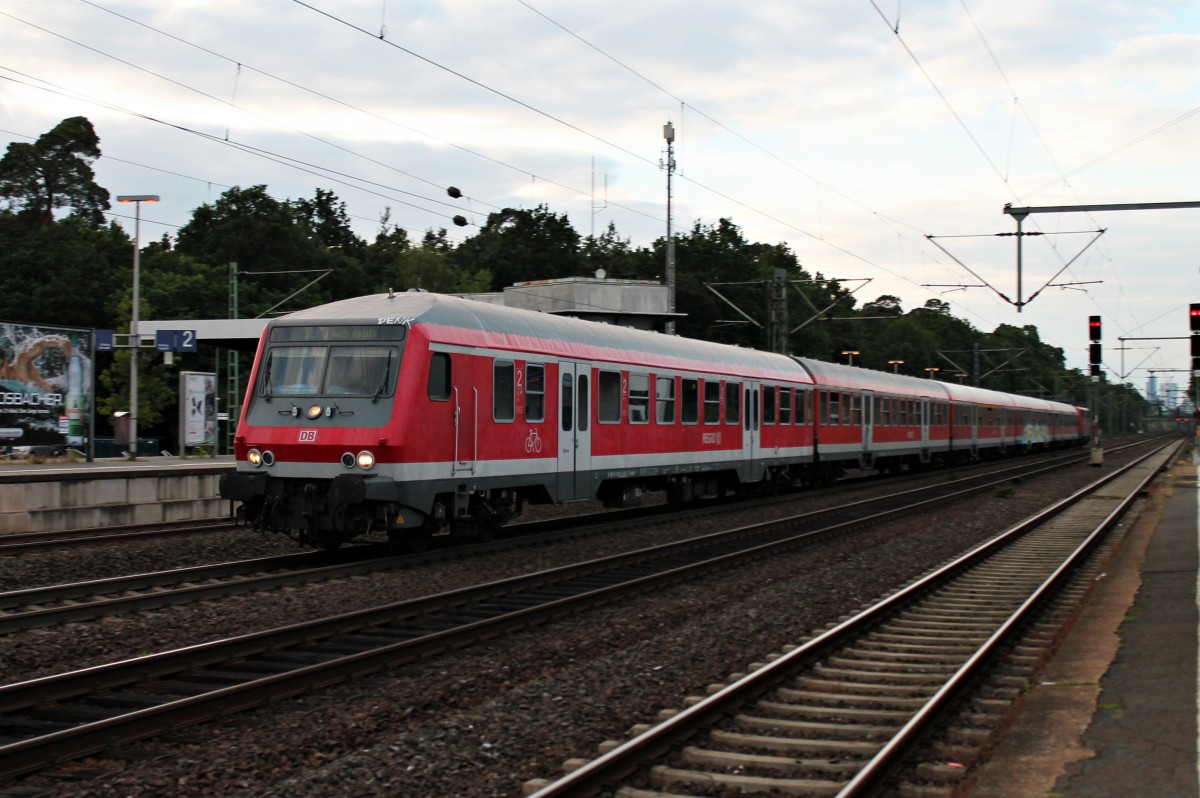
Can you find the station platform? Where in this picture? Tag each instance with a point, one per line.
(1115, 713)
(69, 495)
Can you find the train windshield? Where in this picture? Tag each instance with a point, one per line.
(368, 370)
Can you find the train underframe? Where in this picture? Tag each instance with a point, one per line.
(327, 513)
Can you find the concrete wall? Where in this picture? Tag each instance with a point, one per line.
(66, 504)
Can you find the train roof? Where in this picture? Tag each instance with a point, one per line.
(825, 373)
(454, 320)
(464, 322)
(985, 396)
(880, 381)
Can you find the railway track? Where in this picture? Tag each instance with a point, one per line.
(26, 542)
(842, 714)
(80, 601)
(73, 714)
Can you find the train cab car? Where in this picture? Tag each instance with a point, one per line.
(408, 413)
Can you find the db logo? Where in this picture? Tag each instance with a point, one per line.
(308, 436)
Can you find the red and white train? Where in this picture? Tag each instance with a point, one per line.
(405, 413)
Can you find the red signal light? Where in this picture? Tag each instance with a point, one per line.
(1094, 326)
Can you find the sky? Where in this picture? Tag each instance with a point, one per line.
(879, 140)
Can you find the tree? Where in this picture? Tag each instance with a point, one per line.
(263, 236)
(517, 244)
(886, 305)
(611, 253)
(67, 273)
(328, 222)
(55, 172)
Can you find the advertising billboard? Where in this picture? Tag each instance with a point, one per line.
(197, 408)
(45, 385)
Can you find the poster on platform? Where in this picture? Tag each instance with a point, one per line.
(45, 385)
(197, 408)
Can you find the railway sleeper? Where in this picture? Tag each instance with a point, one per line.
(793, 728)
(673, 777)
(765, 763)
(849, 699)
(897, 657)
(826, 712)
(887, 669)
(835, 687)
(861, 677)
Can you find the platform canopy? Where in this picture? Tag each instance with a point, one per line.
(239, 334)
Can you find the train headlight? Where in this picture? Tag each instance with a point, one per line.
(348, 460)
(254, 457)
(314, 411)
(366, 460)
(268, 458)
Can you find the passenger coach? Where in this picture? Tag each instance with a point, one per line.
(404, 413)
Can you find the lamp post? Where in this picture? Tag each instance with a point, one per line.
(849, 354)
(932, 370)
(669, 136)
(895, 364)
(135, 342)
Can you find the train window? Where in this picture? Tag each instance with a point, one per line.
(504, 390)
(664, 394)
(438, 384)
(835, 408)
(567, 411)
(639, 398)
(747, 416)
(608, 403)
(361, 371)
(785, 405)
(293, 371)
(856, 409)
(712, 402)
(768, 400)
(535, 392)
(801, 414)
(882, 415)
(733, 396)
(689, 401)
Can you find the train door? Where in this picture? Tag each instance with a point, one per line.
(751, 447)
(867, 403)
(574, 431)
(926, 420)
(466, 430)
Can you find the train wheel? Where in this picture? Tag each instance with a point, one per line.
(474, 531)
(329, 541)
(411, 541)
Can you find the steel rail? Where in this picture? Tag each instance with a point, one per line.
(121, 594)
(607, 770)
(483, 611)
(24, 542)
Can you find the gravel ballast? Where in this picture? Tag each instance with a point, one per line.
(483, 720)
